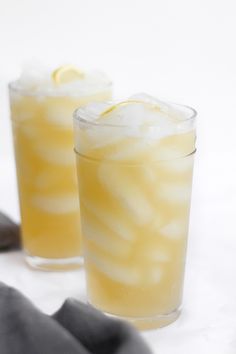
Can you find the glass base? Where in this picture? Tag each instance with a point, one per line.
(148, 323)
(53, 264)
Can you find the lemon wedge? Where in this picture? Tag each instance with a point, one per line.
(118, 105)
(67, 73)
(126, 103)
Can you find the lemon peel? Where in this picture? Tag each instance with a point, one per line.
(66, 74)
(126, 103)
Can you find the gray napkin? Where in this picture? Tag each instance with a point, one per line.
(9, 234)
(76, 328)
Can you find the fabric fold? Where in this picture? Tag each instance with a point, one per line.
(9, 234)
(76, 328)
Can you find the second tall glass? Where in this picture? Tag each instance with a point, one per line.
(43, 137)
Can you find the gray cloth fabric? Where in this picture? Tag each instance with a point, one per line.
(9, 234)
(76, 328)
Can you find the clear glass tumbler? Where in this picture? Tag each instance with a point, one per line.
(135, 189)
(43, 138)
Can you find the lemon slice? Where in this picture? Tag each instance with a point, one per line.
(126, 103)
(67, 73)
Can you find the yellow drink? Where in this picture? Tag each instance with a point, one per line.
(43, 137)
(135, 199)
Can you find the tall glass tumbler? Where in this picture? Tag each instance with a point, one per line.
(43, 139)
(135, 163)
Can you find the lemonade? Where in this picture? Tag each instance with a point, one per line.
(135, 162)
(42, 104)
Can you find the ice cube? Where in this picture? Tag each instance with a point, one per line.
(37, 79)
(179, 166)
(29, 131)
(175, 193)
(93, 82)
(59, 114)
(135, 150)
(93, 110)
(154, 275)
(59, 204)
(133, 114)
(176, 229)
(118, 226)
(56, 155)
(127, 192)
(157, 222)
(157, 254)
(164, 107)
(150, 173)
(45, 180)
(94, 136)
(103, 136)
(103, 240)
(171, 110)
(33, 76)
(141, 111)
(168, 152)
(140, 116)
(23, 110)
(21, 116)
(118, 272)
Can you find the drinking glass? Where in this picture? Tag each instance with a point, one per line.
(135, 190)
(43, 139)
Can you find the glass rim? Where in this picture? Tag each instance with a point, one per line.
(80, 115)
(12, 86)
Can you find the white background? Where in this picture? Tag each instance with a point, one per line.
(181, 50)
